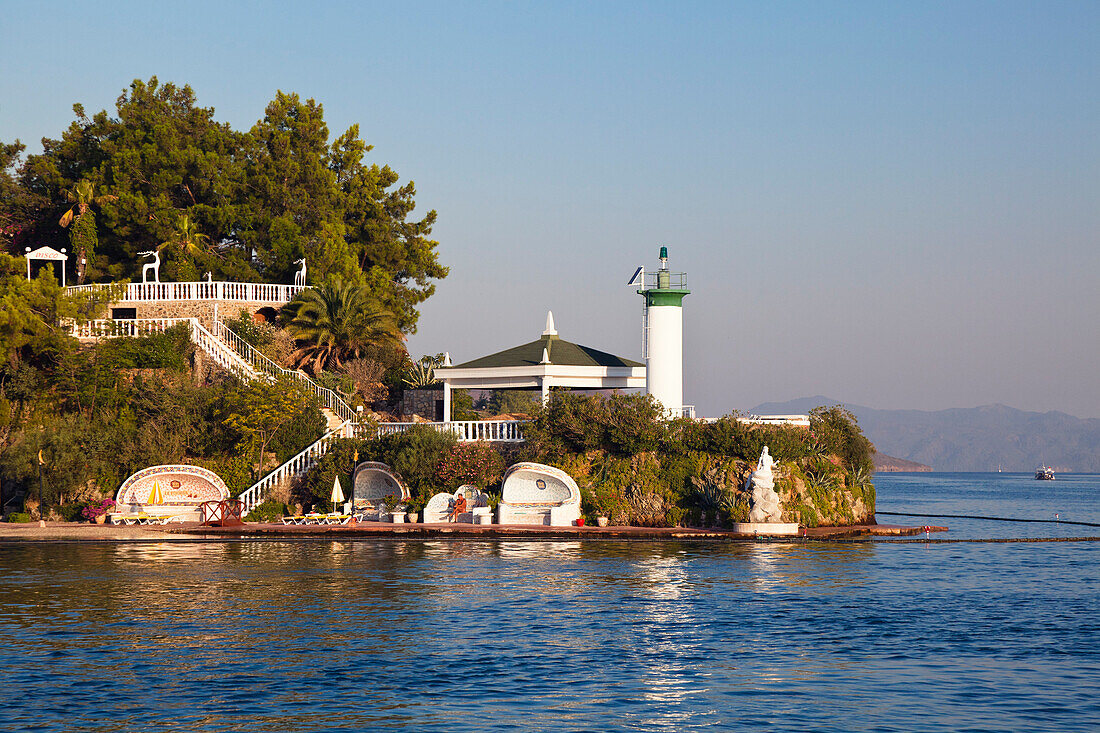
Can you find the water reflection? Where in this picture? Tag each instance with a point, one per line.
(362, 634)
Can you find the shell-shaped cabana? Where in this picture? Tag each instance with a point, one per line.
(373, 482)
(534, 493)
(170, 490)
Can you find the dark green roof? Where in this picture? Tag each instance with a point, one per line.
(562, 353)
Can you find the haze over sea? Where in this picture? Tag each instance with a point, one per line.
(357, 635)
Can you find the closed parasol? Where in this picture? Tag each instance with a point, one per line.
(337, 493)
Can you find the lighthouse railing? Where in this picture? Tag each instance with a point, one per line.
(665, 280)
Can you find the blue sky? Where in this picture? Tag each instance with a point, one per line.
(893, 204)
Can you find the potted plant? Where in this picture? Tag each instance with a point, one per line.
(395, 508)
(97, 511)
(413, 508)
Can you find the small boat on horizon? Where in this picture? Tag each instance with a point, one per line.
(1044, 473)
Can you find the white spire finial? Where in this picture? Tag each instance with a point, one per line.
(550, 330)
(545, 356)
(446, 358)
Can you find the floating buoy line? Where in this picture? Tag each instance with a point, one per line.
(991, 519)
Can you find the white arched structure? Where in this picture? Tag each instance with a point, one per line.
(173, 490)
(49, 254)
(533, 493)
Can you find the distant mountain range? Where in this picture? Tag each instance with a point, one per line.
(971, 439)
(884, 462)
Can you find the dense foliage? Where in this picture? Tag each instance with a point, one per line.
(161, 173)
(637, 468)
(75, 422)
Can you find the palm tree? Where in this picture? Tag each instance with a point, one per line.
(334, 322)
(82, 197)
(187, 237)
(83, 234)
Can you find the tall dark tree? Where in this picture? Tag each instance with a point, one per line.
(320, 201)
(160, 156)
(265, 198)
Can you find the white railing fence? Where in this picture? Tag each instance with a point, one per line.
(226, 291)
(495, 431)
(107, 328)
(261, 363)
(296, 466)
(220, 352)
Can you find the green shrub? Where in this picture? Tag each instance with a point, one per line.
(269, 512)
(234, 470)
(340, 460)
(19, 518)
(839, 430)
(575, 420)
(73, 512)
(166, 350)
(307, 426)
(257, 333)
(511, 401)
(632, 424)
(415, 454)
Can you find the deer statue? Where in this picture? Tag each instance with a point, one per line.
(300, 276)
(154, 266)
(209, 277)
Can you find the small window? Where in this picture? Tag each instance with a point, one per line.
(123, 314)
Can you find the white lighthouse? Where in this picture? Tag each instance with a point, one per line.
(663, 335)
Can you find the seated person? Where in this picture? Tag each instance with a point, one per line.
(459, 508)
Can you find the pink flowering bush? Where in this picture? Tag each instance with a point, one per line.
(98, 509)
(478, 464)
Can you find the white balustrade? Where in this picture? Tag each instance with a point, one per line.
(250, 354)
(225, 291)
(296, 466)
(493, 431)
(107, 328)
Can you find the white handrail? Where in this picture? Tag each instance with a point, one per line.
(108, 328)
(221, 352)
(258, 360)
(296, 466)
(202, 290)
(493, 431)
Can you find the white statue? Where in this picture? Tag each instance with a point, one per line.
(300, 276)
(209, 277)
(765, 502)
(154, 266)
(762, 476)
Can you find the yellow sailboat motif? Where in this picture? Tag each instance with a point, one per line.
(156, 496)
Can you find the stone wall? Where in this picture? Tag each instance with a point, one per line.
(204, 310)
(427, 403)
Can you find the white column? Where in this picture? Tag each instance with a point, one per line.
(664, 367)
(446, 401)
(544, 386)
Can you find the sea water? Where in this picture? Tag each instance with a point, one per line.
(597, 635)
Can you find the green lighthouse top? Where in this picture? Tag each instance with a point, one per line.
(664, 287)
